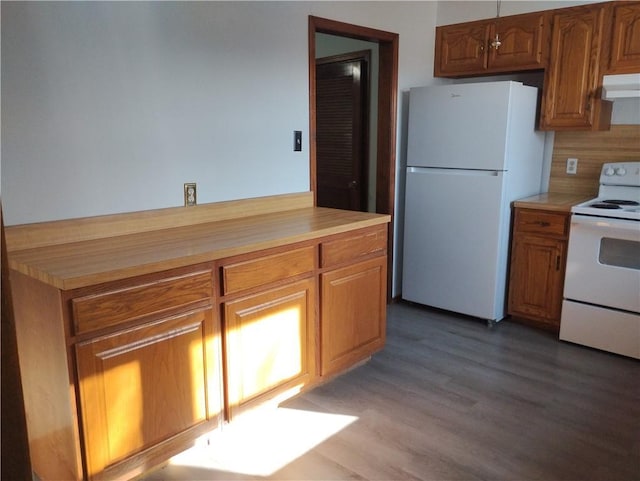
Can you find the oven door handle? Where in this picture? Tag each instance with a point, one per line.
(603, 223)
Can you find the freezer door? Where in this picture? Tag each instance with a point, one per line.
(456, 241)
(460, 125)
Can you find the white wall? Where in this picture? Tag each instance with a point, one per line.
(455, 11)
(111, 106)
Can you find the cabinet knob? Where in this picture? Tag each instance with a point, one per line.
(495, 43)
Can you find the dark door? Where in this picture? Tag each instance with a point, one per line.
(342, 134)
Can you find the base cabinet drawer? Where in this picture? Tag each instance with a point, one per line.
(152, 298)
(353, 247)
(247, 274)
(146, 385)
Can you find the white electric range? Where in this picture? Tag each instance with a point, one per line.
(601, 306)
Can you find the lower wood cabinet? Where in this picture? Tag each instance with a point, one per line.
(538, 259)
(143, 386)
(353, 298)
(269, 342)
(120, 376)
(353, 310)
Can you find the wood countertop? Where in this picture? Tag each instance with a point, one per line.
(89, 262)
(552, 201)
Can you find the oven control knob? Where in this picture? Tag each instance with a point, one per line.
(609, 171)
(621, 171)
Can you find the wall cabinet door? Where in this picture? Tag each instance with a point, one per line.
(142, 386)
(521, 43)
(269, 340)
(461, 49)
(571, 99)
(514, 43)
(353, 314)
(625, 45)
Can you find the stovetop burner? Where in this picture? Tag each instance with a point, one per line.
(618, 195)
(620, 202)
(605, 205)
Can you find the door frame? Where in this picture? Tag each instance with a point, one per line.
(387, 115)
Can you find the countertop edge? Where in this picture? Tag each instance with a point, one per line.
(350, 223)
(551, 201)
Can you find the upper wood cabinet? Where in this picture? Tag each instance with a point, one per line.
(460, 49)
(574, 46)
(571, 96)
(625, 42)
(503, 44)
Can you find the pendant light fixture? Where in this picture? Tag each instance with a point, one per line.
(495, 43)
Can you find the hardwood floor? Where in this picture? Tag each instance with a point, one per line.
(447, 399)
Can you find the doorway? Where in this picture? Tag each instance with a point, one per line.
(386, 116)
(342, 131)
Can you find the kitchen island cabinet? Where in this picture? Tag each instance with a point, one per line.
(353, 283)
(269, 314)
(138, 333)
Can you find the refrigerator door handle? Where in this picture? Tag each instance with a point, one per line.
(438, 170)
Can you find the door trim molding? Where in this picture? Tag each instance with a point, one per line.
(387, 114)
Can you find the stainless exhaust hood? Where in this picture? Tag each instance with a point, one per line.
(622, 86)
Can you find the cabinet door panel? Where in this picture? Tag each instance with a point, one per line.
(353, 308)
(269, 341)
(570, 97)
(536, 281)
(460, 49)
(521, 40)
(625, 48)
(144, 385)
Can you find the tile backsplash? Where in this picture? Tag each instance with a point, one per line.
(592, 149)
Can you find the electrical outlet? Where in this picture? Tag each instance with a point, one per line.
(190, 198)
(572, 166)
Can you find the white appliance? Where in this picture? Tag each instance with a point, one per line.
(601, 306)
(472, 150)
(621, 86)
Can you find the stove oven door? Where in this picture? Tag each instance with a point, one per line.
(603, 263)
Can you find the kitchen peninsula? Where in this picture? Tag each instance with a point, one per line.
(140, 332)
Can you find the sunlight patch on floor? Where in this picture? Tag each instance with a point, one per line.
(264, 442)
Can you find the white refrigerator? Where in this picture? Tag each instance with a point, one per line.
(472, 150)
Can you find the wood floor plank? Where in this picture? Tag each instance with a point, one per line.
(452, 399)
